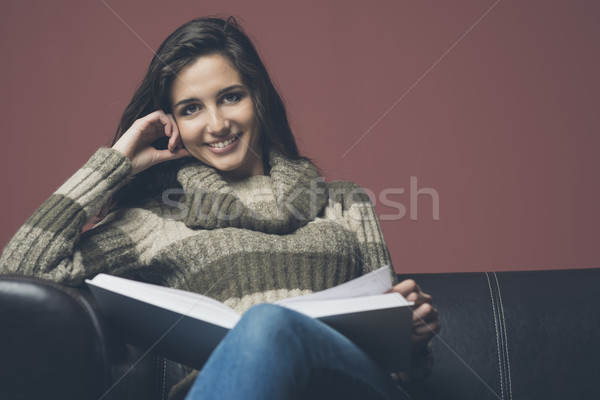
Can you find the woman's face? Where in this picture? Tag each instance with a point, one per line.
(215, 116)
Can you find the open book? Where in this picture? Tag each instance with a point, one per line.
(186, 327)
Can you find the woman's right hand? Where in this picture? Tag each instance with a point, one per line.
(136, 142)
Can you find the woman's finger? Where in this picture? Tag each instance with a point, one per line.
(151, 127)
(160, 123)
(167, 155)
(425, 321)
(406, 287)
(175, 138)
(423, 298)
(425, 312)
(427, 330)
(418, 298)
(166, 122)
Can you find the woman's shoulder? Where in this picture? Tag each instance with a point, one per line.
(346, 192)
(349, 185)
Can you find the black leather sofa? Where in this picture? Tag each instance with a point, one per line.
(506, 335)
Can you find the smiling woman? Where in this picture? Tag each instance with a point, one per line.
(216, 119)
(175, 76)
(207, 124)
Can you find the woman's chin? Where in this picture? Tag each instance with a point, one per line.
(227, 166)
(234, 165)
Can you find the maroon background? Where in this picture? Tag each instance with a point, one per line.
(502, 127)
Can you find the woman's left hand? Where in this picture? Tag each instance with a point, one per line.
(425, 316)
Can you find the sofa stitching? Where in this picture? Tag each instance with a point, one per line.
(497, 336)
(502, 335)
(164, 380)
(501, 332)
(503, 341)
(505, 337)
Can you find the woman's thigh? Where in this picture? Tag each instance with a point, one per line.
(274, 352)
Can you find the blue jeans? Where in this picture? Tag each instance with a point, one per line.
(277, 353)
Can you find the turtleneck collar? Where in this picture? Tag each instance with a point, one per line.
(299, 195)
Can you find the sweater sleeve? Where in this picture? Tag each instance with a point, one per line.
(46, 246)
(360, 216)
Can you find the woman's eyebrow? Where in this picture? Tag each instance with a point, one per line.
(220, 92)
(228, 88)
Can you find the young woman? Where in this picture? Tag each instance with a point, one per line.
(204, 190)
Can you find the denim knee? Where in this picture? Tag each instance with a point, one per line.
(269, 316)
(269, 325)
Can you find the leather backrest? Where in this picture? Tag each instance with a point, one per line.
(521, 335)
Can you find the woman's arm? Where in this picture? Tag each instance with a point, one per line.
(49, 244)
(45, 246)
(359, 214)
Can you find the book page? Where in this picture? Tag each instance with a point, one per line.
(372, 283)
(323, 308)
(186, 303)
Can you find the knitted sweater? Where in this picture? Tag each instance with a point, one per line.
(242, 243)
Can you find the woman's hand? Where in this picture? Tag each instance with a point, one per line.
(425, 316)
(136, 142)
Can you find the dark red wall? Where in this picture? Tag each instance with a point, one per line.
(488, 104)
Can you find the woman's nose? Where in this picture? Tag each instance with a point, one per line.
(217, 124)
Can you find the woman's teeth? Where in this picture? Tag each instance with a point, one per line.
(220, 145)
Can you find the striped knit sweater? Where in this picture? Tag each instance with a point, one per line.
(261, 239)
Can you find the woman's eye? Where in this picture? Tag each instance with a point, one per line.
(232, 97)
(190, 109)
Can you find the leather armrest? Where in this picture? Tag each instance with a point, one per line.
(55, 344)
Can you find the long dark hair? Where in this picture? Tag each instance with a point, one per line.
(196, 38)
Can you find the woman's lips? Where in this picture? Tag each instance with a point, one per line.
(224, 146)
